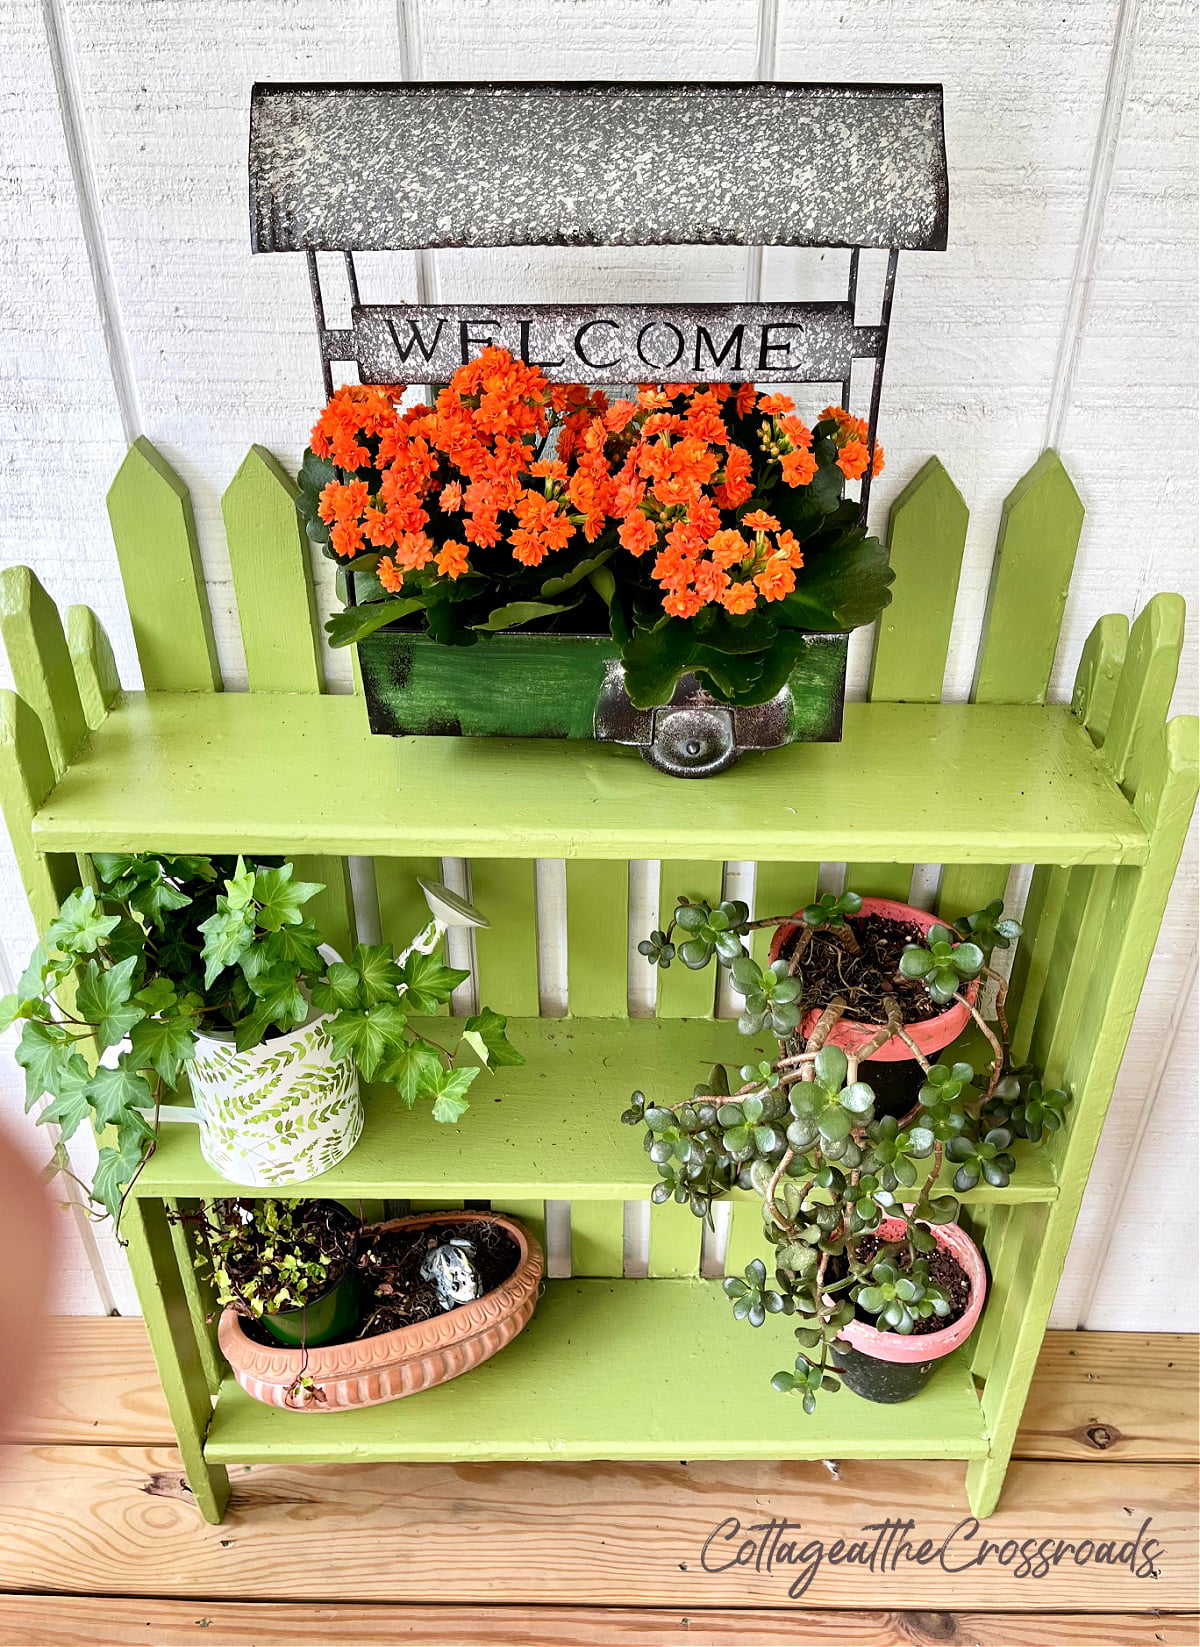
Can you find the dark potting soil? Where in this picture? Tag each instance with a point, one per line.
(944, 1269)
(396, 1294)
(830, 970)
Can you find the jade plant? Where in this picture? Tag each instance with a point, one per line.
(806, 1133)
(127, 977)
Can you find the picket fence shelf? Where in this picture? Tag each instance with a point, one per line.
(1097, 796)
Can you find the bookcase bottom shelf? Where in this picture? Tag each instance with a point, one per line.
(613, 1369)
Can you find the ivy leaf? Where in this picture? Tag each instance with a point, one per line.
(413, 1069)
(42, 1052)
(486, 1033)
(357, 622)
(163, 1044)
(239, 888)
(379, 976)
(158, 995)
(291, 950)
(428, 982)
(42, 973)
(227, 936)
(81, 924)
(449, 1087)
(69, 1105)
(339, 989)
(157, 897)
(280, 898)
(115, 1091)
(104, 1000)
(116, 1168)
(369, 1036)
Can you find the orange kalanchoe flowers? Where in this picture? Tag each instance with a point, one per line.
(507, 464)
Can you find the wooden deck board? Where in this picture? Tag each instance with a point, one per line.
(118, 1521)
(65, 1621)
(99, 1541)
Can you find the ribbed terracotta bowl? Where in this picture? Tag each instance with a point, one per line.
(369, 1371)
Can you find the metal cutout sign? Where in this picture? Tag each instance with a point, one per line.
(620, 343)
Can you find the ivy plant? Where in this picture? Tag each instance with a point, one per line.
(803, 1131)
(126, 977)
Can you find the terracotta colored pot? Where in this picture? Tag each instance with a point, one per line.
(891, 1366)
(930, 1036)
(369, 1371)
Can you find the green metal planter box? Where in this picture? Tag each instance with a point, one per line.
(572, 686)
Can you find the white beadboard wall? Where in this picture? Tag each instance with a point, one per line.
(1062, 314)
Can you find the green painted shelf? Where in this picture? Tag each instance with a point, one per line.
(1097, 796)
(550, 1128)
(656, 1370)
(278, 772)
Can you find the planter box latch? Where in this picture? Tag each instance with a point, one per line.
(693, 736)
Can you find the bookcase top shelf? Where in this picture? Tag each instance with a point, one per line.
(294, 773)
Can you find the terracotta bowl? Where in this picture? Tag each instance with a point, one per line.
(369, 1371)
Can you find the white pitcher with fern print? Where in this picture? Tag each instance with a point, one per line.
(282, 1113)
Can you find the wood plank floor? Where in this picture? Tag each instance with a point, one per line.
(99, 1544)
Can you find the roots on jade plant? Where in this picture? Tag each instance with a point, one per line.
(802, 1128)
(171, 947)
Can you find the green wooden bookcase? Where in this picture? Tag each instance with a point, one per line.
(1097, 795)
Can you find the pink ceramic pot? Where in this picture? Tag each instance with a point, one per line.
(930, 1036)
(369, 1371)
(889, 1367)
(928, 1346)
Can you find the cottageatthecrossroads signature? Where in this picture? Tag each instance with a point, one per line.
(887, 1546)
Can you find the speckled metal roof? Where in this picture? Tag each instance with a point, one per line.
(371, 168)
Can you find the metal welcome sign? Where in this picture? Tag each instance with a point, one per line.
(352, 169)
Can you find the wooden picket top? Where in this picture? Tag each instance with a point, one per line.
(72, 780)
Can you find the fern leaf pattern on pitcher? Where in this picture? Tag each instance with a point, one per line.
(281, 1113)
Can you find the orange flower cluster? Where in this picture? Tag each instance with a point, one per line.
(470, 450)
(853, 437)
(479, 469)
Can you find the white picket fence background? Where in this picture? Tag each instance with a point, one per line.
(1062, 315)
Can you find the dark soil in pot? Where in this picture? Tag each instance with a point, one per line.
(944, 1269)
(831, 970)
(397, 1294)
(889, 1382)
